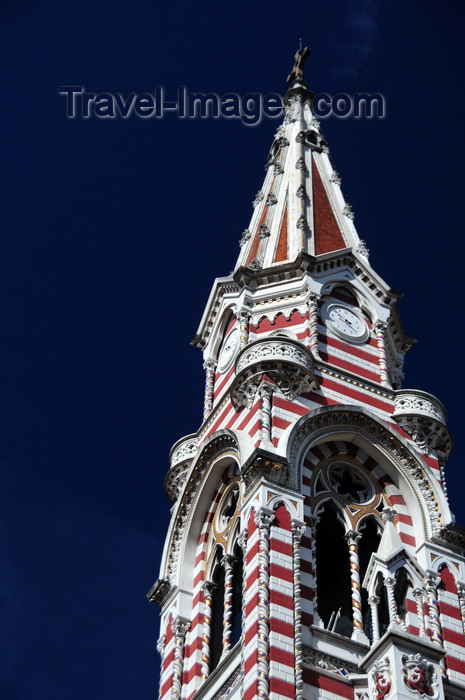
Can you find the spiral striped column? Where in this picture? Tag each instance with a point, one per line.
(298, 530)
(379, 329)
(461, 595)
(263, 519)
(228, 562)
(161, 650)
(390, 582)
(208, 588)
(242, 542)
(243, 319)
(209, 368)
(312, 303)
(373, 602)
(266, 394)
(312, 521)
(180, 628)
(431, 586)
(352, 538)
(418, 595)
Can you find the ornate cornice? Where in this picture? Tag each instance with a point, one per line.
(264, 464)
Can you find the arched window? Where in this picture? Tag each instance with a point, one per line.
(333, 574)
(223, 618)
(368, 543)
(347, 501)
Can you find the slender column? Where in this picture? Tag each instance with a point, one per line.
(461, 594)
(263, 519)
(242, 542)
(373, 602)
(228, 561)
(161, 650)
(390, 582)
(208, 589)
(352, 538)
(418, 595)
(312, 303)
(266, 393)
(431, 587)
(209, 368)
(180, 628)
(298, 530)
(312, 522)
(243, 318)
(442, 474)
(379, 329)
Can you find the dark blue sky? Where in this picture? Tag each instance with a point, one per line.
(113, 231)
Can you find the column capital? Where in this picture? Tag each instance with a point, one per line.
(431, 582)
(352, 537)
(228, 561)
(180, 627)
(266, 389)
(161, 644)
(379, 326)
(242, 539)
(208, 588)
(298, 528)
(264, 517)
(313, 297)
(242, 315)
(209, 365)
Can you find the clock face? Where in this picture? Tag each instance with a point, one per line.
(228, 350)
(346, 323)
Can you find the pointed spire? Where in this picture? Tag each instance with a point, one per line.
(390, 543)
(300, 206)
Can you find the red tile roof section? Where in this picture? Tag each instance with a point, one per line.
(253, 253)
(328, 236)
(281, 251)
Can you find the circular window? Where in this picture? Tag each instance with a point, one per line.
(350, 483)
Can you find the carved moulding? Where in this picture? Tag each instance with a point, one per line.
(423, 417)
(329, 421)
(263, 464)
(221, 442)
(181, 456)
(285, 361)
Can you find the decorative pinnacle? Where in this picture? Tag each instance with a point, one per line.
(297, 73)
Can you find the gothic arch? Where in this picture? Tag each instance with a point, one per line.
(218, 454)
(390, 458)
(226, 321)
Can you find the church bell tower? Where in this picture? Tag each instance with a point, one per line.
(311, 551)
